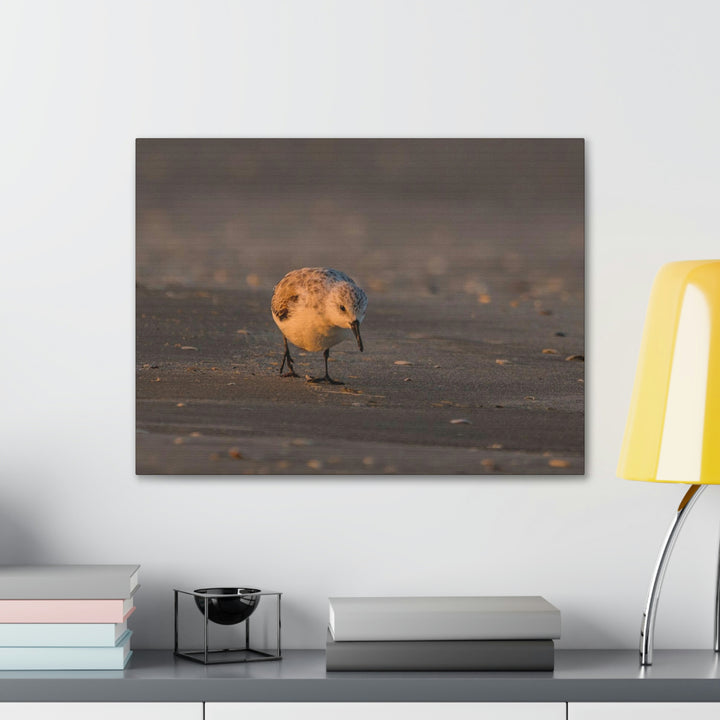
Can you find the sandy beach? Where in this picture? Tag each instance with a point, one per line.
(211, 401)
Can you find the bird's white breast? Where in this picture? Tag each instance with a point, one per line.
(307, 329)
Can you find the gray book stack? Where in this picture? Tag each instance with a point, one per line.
(66, 617)
(442, 633)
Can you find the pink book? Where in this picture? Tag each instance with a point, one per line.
(65, 611)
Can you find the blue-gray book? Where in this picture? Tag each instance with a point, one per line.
(61, 634)
(67, 658)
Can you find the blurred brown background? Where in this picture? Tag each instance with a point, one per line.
(426, 215)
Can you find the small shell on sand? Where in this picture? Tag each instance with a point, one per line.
(402, 362)
(460, 421)
(558, 463)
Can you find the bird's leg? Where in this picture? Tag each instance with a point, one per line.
(289, 360)
(326, 355)
(327, 378)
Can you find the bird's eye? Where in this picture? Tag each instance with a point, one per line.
(342, 308)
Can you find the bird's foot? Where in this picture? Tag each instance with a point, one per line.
(292, 373)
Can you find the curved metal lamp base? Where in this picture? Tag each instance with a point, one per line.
(648, 622)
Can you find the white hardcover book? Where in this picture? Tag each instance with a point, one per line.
(61, 634)
(443, 618)
(67, 658)
(68, 582)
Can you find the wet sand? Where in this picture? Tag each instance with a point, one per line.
(210, 399)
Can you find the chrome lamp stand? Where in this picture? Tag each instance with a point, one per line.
(647, 630)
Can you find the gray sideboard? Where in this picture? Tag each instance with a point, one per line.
(586, 676)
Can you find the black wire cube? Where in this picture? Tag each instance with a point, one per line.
(231, 608)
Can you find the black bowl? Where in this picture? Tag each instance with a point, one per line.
(228, 610)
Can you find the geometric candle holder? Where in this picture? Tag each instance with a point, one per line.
(211, 608)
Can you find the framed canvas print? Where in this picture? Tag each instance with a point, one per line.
(360, 306)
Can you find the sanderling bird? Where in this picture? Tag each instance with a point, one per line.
(316, 308)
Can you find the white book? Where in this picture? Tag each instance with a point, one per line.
(68, 582)
(443, 618)
(61, 634)
(67, 658)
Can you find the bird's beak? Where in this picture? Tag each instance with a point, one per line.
(355, 327)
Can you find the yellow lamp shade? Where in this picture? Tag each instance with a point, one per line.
(673, 426)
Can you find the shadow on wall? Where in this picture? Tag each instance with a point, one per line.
(581, 628)
(18, 544)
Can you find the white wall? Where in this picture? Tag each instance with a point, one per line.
(80, 81)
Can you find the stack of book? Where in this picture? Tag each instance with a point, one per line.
(66, 617)
(442, 633)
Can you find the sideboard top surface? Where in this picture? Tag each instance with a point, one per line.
(579, 676)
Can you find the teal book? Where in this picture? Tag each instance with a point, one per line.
(67, 658)
(61, 634)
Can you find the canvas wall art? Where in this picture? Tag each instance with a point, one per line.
(360, 306)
